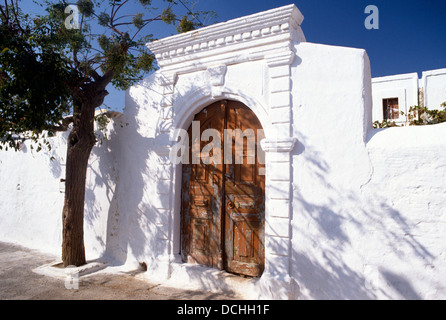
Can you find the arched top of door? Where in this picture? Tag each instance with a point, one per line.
(188, 105)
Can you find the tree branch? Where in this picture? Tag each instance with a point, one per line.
(63, 126)
(7, 10)
(114, 12)
(4, 16)
(145, 24)
(105, 79)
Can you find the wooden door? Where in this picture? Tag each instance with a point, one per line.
(244, 187)
(223, 209)
(202, 191)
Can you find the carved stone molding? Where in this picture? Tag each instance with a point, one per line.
(281, 59)
(278, 145)
(245, 39)
(217, 75)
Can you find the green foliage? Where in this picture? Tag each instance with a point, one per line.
(417, 116)
(104, 19)
(48, 70)
(102, 120)
(384, 124)
(185, 25)
(168, 16)
(146, 2)
(138, 21)
(86, 7)
(35, 81)
(423, 116)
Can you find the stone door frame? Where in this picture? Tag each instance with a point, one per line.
(268, 37)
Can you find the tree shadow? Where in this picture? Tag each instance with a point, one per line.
(133, 219)
(341, 231)
(400, 284)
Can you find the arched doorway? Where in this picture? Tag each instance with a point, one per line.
(223, 191)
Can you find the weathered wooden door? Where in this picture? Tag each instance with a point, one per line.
(202, 191)
(223, 209)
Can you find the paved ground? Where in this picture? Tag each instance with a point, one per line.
(19, 282)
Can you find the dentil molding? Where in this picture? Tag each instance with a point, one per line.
(254, 37)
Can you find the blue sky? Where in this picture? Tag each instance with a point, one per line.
(411, 35)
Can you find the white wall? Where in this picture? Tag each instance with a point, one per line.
(31, 203)
(137, 232)
(368, 214)
(330, 164)
(434, 83)
(406, 202)
(31, 197)
(403, 86)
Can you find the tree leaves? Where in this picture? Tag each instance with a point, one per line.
(145, 2)
(45, 66)
(168, 16)
(35, 83)
(86, 7)
(104, 19)
(185, 25)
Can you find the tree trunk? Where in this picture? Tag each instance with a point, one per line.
(79, 145)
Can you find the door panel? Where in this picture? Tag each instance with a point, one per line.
(201, 199)
(223, 205)
(244, 196)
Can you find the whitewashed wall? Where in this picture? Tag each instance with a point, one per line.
(368, 211)
(405, 87)
(401, 86)
(434, 84)
(31, 197)
(406, 199)
(351, 218)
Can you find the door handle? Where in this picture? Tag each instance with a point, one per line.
(231, 205)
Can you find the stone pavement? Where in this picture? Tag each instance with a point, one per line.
(19, 282)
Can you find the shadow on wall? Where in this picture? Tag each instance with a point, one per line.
(55, 158)
(133, 217)
(345, 241)
(101, 188)
(400, 284)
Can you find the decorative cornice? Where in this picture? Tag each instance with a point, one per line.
(275, 28)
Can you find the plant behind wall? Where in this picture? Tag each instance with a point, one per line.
(417, 116)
